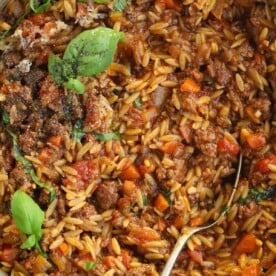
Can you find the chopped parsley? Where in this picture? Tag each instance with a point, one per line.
(258, 195)
(77, 131)
(108, 136)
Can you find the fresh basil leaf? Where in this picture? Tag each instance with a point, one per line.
(26, 213)
(101, 1)
(120, 5)
(77, 132)
(30, 242)
(37, 7)
(76, 85)
(108, 136)
(59, 70)
(89, 265)
(92, 51)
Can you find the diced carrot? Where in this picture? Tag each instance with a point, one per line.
(55, 140)
(109, 261)
(196, 256)
(170, 147)
(196, 221)
(178, 221)
(262, 165)
(255, 140)
(190, 86)
(44, 154)
(129, 187)
(226, 146)
(64, 248)
(252, 270)
(247, 244)
(130, 173)
(161, 203)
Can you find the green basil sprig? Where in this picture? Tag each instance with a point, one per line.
(38, 7)
(88, 54)
(28, 167)
(28, 218)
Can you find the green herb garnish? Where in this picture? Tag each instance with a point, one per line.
(145, 200)
(28, 218)
(88, 54)
(224, 209)
(39, 6)
(101, 1)
(108, 136)
(77, 132)
(89, 265)
(167, 195)
(257, 195)
(120, 5)
(138, 102)
(14, 26)
(28, 167)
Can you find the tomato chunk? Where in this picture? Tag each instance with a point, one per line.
(229, 147)
(255, 140)
(262, 165)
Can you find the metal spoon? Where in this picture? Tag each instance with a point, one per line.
(187, 232)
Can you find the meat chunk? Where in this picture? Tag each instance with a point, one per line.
(99, 114)
(11, 59)
(54, 128)
(28, 141)
(107, 195)
(18, 98)
(206, 141)
(219, 72)
(86, 212)
(258, 109)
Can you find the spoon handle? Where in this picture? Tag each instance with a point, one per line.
(176, 250)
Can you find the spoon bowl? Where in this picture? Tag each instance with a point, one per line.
(187, 232)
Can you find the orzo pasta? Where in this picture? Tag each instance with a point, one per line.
(122, 122)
